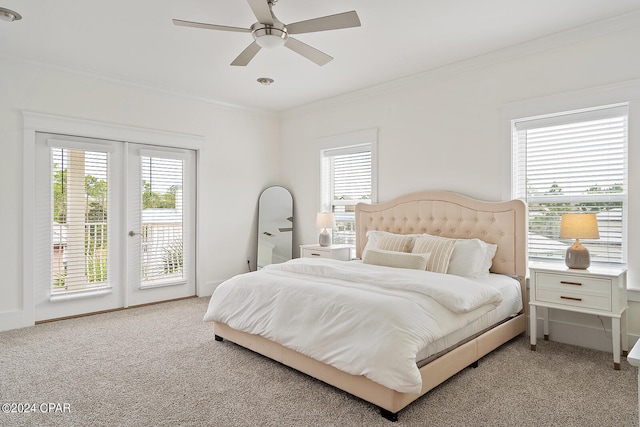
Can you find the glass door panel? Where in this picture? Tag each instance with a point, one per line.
(161, 220)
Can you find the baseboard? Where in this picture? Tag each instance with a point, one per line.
(206, 289)
(13, 320)
(597, 338)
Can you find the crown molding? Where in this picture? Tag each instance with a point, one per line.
(139, 85)
(552, 41)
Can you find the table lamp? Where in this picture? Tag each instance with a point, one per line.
(325, 220)
(578, 226)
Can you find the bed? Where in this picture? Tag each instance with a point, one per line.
(502, 225)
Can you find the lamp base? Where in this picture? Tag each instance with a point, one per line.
(577, 256)
(325, 238)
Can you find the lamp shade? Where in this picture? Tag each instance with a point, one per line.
(325, 220)
(579, 226)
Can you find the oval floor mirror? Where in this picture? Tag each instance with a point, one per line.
(275, 226)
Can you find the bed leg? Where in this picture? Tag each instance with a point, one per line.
(474, 364)
(391, 416)
(219, 338)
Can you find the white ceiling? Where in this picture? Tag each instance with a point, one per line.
(135, 41)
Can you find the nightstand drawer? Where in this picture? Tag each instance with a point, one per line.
(339, 252)
(314, 253)
(574, 299)
(573, 284)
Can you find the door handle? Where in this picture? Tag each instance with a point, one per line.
(133, 233)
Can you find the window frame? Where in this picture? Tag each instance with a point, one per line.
(519, 177)
(344, 144)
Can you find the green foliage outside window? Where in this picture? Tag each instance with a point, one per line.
(547, 215)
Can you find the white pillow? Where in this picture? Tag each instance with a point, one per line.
(468, 258)
(488, 261)
(396, 259)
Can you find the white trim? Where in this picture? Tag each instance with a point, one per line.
(553, 41)
(581, 335)
(124, 212)
(358, 137)
(207, 289)
(28, 229)
(142, 85)
(627, 92)
(594, 113)
(612, 94)
(347, 140)
(15, 319)
(111, 131)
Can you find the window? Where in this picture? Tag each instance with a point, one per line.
(346, 177)
(79, 223)
(573, 162)
(161, 248)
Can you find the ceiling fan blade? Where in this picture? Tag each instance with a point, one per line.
(182, 23)
(247, 55)
(262, 11)
(331, 22)
(311, 53)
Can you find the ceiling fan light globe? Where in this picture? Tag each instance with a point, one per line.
(270, 41)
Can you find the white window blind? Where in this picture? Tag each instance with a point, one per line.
(80, 193)
(346, 181)
(162, 220)
(574, 162)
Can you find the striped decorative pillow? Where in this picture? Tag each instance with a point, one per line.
(440, 249)
(395, 242)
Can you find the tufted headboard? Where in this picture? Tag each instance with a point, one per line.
(453, 215)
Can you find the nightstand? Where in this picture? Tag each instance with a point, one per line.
(599, 290)
(341, 252)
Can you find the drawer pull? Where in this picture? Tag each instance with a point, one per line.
(571, 298)
(312, 254)
(571, 283)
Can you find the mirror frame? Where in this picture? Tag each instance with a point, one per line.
(275, 226)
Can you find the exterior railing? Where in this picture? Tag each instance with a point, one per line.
(161, 255)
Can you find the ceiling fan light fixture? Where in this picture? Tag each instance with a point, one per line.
(270, 41)
(9, 15)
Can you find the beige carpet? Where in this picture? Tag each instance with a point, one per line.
(159, 365)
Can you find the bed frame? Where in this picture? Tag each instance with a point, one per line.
(439, 213)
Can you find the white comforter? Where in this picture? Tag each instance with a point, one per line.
(362, 319)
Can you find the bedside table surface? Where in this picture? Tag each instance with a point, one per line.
(317, 246)
(593, 270)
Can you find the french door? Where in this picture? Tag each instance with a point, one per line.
(161, 224)
(115, 225)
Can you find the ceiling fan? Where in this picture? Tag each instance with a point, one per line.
(269, 32)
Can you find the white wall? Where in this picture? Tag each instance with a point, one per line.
(238, 159)
(446, 129)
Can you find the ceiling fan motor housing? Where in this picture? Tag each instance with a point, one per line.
(269, 36)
